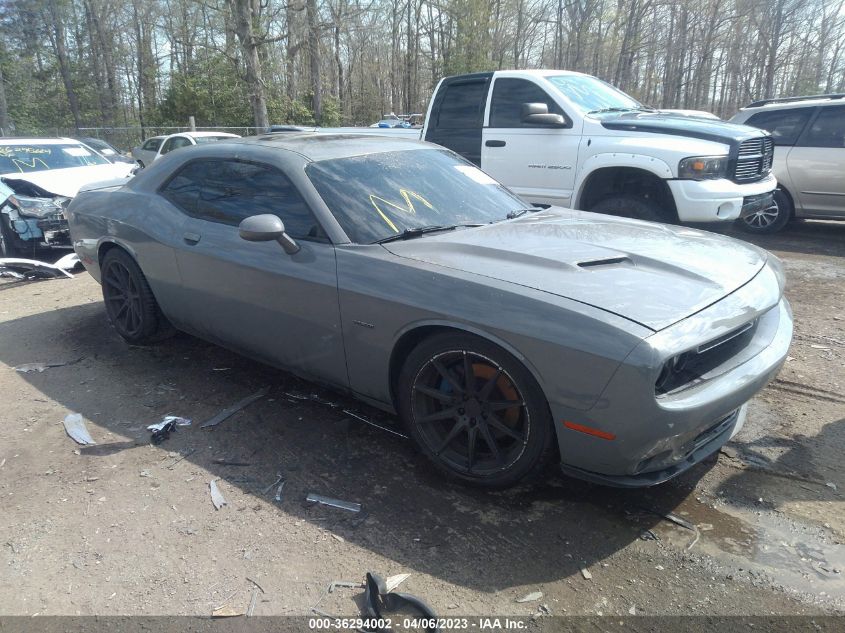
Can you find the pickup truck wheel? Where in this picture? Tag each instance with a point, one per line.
(130, 304)
(475, 411)
(770, 220)
(630, 207)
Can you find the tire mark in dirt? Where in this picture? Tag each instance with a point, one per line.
(808, 391)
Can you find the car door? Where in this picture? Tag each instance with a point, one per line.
(536, 162)
(173, 143)
(817, 164)
(252, 296)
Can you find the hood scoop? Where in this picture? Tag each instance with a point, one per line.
(609, 261)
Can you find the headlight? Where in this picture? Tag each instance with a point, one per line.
(37, 207)
(703, 167)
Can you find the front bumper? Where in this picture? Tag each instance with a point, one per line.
(49, 231)
(716, 200)
(656, 437)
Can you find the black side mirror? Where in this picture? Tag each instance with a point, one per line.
(538, 114)
(265, 228)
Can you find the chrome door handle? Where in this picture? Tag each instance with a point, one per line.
(191, 238)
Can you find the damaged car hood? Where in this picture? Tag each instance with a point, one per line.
(652, 274)
(67, 182)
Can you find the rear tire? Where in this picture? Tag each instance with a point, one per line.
(770, 220)
(475, 411)
(130, 304)
(628, 206)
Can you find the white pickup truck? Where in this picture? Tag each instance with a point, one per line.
(569, 139)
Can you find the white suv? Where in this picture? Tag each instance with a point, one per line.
(809, 162)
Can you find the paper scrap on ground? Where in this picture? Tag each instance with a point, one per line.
(76, 429)
(216, 496)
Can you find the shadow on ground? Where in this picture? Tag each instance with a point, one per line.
(487, 541)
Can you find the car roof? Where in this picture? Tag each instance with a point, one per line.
(196, 134)
(317, 146)
(19, 140)
(812, 101)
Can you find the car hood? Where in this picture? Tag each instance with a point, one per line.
(679, 125)
(652, 274)
(67, 182)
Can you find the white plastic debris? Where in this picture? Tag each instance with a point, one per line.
(391, 582)
(76, 429)
(168, 419)
(40, 367)
(531, 597)
(586, 573)
(831, 485)
(216, 496)
(32, 267)
(68, 262)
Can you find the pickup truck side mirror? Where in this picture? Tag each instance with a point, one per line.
(538, 114)
(265, 228)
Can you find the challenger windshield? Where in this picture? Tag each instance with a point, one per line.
(380, 195)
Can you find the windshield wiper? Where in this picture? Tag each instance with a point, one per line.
(518, 213)
(419, 231)
(616, 109)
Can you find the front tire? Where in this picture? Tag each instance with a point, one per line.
(772, 219)
(628, 206)
(10, 244)
(130, 304)
(475, 411)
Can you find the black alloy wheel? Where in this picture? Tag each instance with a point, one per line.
(130, 304)
(475, 411)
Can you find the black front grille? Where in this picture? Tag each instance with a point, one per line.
(754, 159)
(691, 367)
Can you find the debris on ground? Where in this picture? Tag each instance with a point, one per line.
(68, 262)
(162, 430)
(40, 367)
(76, 429)
(391, 582)
(33, 269)
(586, 573)
(216, 496)
(254, 597)
(648, 535)
(278, 497)
(378, 601)
(530, 597)
(366, 420)
(334, 503)
(227, 611)
(229, 412)
(271, 486)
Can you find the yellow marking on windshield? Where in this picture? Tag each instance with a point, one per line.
(20, 163)
(409, 208)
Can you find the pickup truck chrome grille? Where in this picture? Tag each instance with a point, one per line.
(754, 159)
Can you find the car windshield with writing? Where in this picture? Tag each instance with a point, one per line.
(377, 196)
(23, 158)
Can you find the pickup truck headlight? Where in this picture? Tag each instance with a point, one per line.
(37, 207)
(703, 167)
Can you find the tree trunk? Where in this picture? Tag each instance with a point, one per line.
(245, 14)
(57, 37)
(314, 59)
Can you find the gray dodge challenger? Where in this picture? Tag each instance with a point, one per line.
(503, 337)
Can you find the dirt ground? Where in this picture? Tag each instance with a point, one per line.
(125, 527)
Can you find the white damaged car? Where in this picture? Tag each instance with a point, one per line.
(38, 178)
